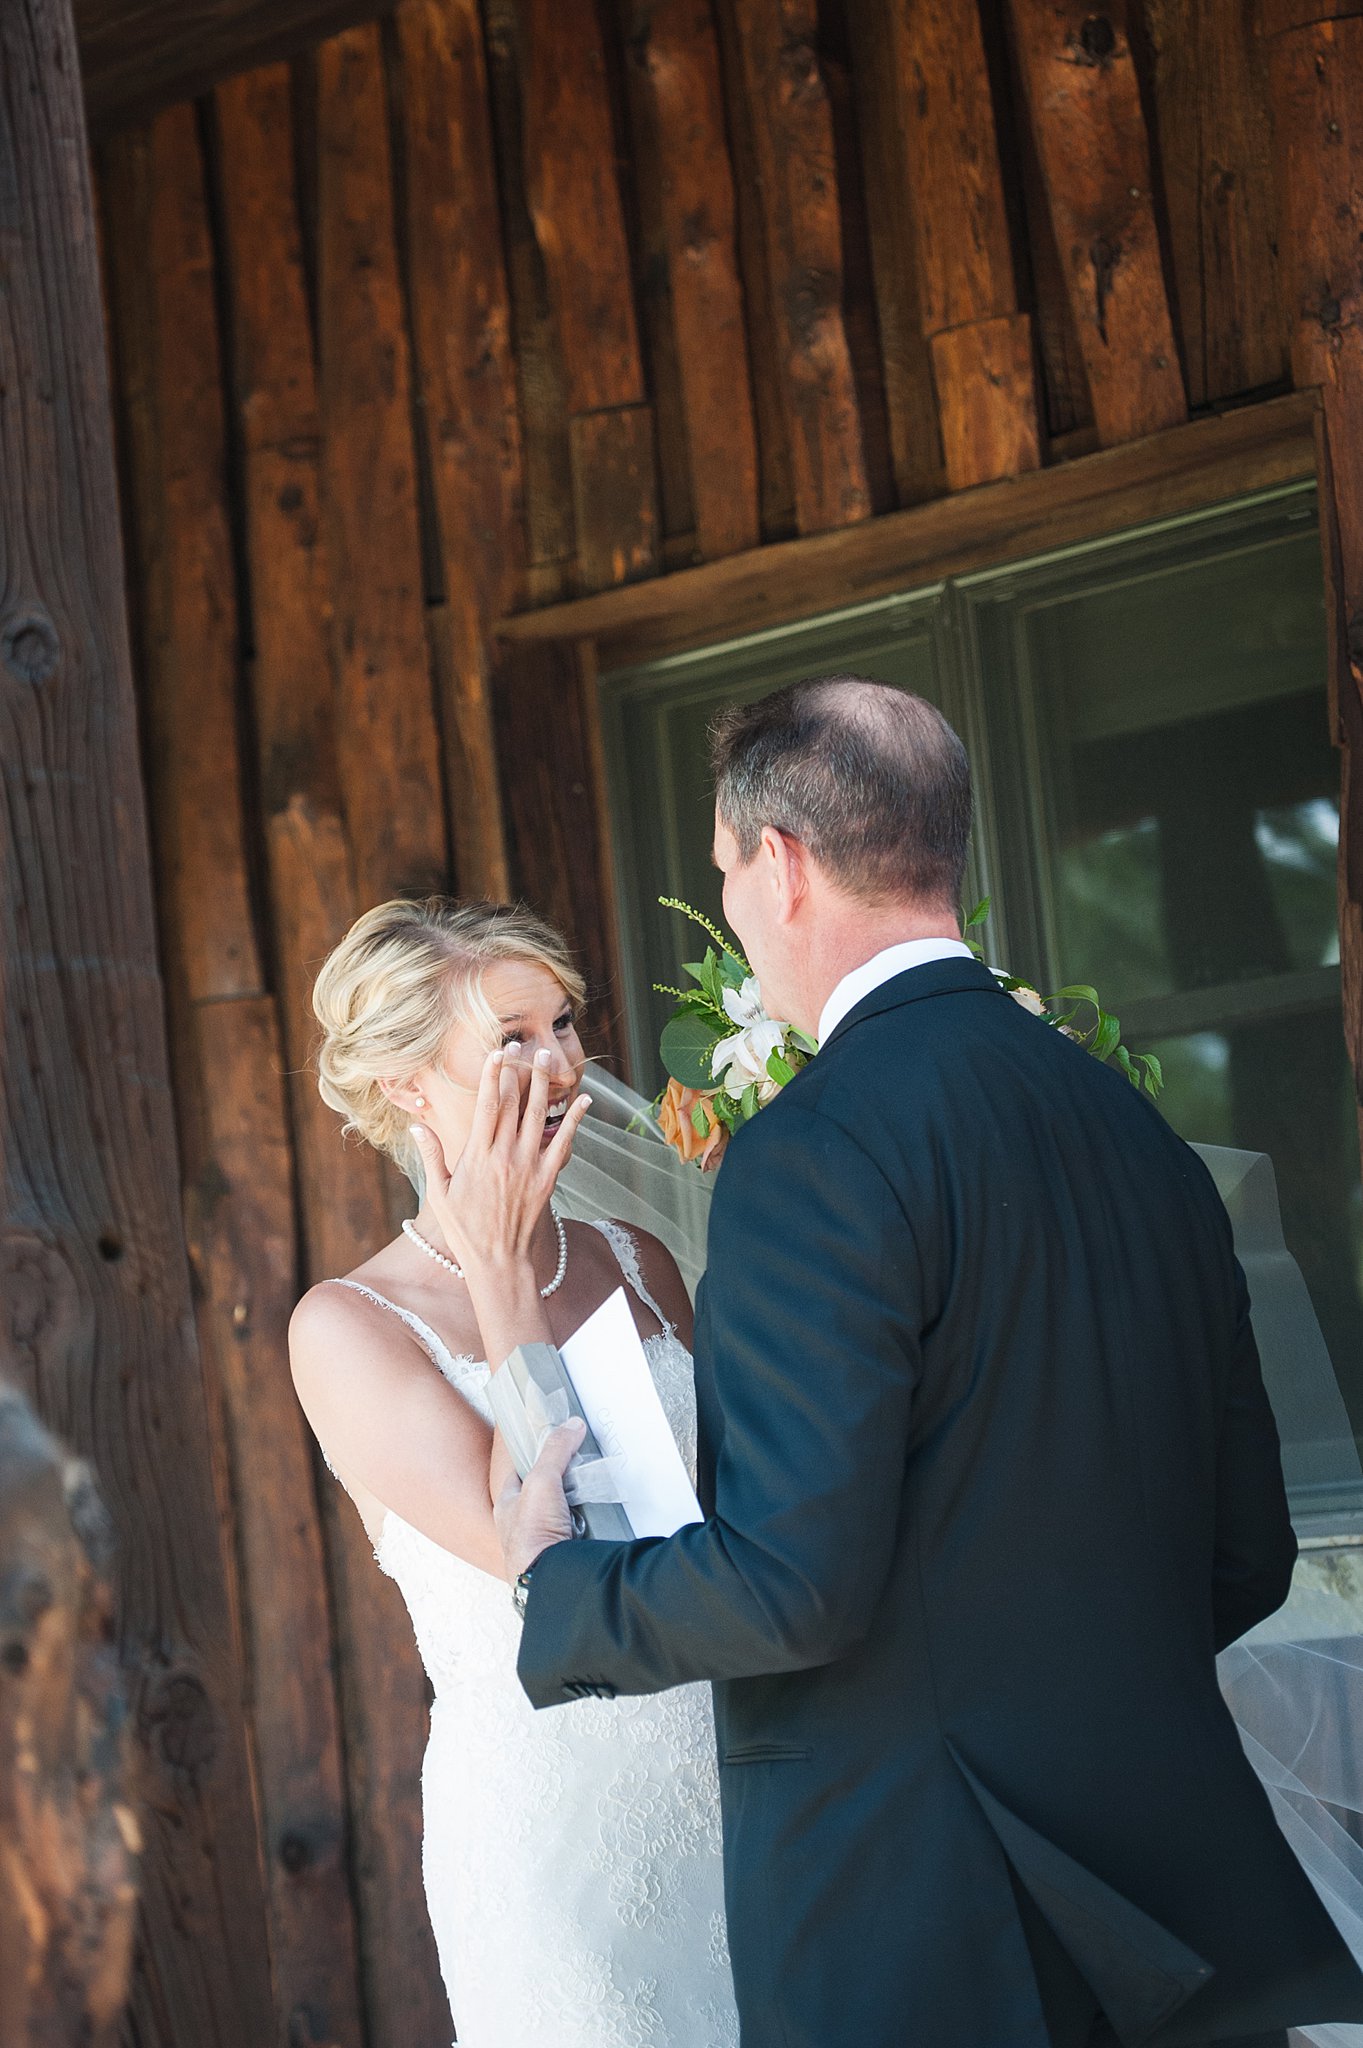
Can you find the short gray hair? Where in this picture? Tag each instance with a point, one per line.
(870, 778)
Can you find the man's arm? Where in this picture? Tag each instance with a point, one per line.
(811, 1345)
(1255, 1546)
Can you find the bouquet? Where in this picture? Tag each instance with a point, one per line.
(725, 1058)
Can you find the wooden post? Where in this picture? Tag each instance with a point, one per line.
(97, 1324)
(1315, 67)
(1084, 103)
(68, 1836)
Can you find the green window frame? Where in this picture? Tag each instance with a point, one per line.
(993, 649)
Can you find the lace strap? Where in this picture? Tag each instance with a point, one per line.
(446, 1362)
(627, 1257)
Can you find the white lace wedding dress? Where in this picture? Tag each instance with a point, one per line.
(571, 1857)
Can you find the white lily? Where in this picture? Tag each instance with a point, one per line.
(739, 1061)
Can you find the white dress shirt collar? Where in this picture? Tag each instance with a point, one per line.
(883, 967)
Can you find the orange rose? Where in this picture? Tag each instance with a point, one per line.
(674, 1114)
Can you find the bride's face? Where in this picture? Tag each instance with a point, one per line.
(533, 1010)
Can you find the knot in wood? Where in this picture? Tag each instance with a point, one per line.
(1097, 40)
(29, 646)
(799, 69)
(179, 1716)
(295, 1852)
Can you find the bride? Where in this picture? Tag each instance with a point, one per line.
(572, 1860)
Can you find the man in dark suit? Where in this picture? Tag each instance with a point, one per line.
(989, 1477)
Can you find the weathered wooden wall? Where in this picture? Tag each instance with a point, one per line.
(485, 308)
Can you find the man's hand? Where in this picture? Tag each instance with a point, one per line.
(532, 1517)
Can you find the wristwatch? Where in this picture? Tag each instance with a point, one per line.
(520, 1590)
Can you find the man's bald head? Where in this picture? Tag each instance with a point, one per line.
(872, 780)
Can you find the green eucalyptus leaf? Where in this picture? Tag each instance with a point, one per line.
(687, 1047)
(1079, 992)
(977, 915)
(779, 1069)
(700, 1119)
(748, 1100)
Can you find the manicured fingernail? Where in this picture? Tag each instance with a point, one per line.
(543, 1057)
(514, 1046)
(586, 1101)
(497, 1056)
(419, 1133)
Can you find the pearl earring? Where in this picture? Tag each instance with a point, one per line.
(421, 1102)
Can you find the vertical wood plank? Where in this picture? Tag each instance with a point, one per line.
(548, 725)
(1085, 110)
(793, 148)
(574, 196)
(171, 392)
(1210, 94)
(97, 1323)
(910, 396)
(776, 487)
(551, 544)
(1315, 69)
(311, 806)
(690, 214)
(461, 322)
(980, 344)
(387, 743)
(238, 1162)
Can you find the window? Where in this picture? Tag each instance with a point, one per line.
(1158, 814)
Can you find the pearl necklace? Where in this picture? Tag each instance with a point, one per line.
(410, 1230)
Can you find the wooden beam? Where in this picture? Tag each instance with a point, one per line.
(68, 1876)
(1084, 104)
(979, 341)
(574, 195)
(690, 225)
(1315, 68)
(466, 383)
(97, 1324)
(791, 128)
(1186, 468)
(137, 56)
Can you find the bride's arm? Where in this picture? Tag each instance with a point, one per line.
(389, 1422)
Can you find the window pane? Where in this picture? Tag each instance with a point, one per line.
(1181, 803)
(656, 721)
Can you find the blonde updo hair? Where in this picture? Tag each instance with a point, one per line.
(388, 996)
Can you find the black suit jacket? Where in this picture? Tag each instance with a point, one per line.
(990, 1476)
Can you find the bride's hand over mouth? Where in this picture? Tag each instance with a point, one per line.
(489, 1205)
